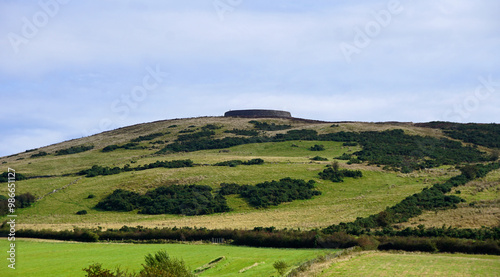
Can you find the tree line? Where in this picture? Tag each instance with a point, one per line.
(285, 238)
(97, 170)
(481, 134)
(414, 205)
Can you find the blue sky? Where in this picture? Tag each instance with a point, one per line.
(74, 68)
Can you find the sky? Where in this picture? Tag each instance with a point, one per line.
(70, 69)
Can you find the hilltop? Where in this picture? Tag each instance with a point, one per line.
(396, 160)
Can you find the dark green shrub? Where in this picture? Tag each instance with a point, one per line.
(127, 146)
(228, 189)
(110, 148)
(334, 174)
(119, 200)
(211, 127)
(132, 146)
(25, 200)
(175, 199)
(147, 137)
(317, 147)
(162, 265)
(231, 163)
(352, 143)
(4, 177)
(39, 154)
(280, 266)
(74, 150)
(243, 132)
(234, 163)
(195, 136)
(344, 156)
(264, 126)
(97, 170)
(254, 161)
(354, 160)
(273, 193)
(318, 158)
(336, 240)
(96, 270)
(81, 212)
(408, 244)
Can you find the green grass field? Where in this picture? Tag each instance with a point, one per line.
(51, 258)
(415, 264)
(338, 202)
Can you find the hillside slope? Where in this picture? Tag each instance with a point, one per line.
(55, 172)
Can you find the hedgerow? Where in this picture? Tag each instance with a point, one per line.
(74, 150)
(97, 170)
(233, 163)
(429, 199)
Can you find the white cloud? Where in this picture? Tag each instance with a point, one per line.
(279, 55)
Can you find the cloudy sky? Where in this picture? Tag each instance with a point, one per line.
(70, 69)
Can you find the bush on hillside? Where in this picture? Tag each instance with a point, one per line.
(334, 174)
(74, 150)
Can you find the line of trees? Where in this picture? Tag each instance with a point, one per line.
(412, 206)
(148, 137)
(234, 163)
(195, 136)
(97, 170)
(243, 132)
(481, 134)
(271, 237)
(127, 146)
(74, 150)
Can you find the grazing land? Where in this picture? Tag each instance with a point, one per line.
(53, 258)
(413, 264)
(371, 185)
(56, 207)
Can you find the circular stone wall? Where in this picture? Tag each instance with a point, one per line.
(257, 113)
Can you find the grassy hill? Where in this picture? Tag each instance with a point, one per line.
(53, 177)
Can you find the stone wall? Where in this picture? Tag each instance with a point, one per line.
(258, 113)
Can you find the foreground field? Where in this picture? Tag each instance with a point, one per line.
(414, 264)
(52, 258)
